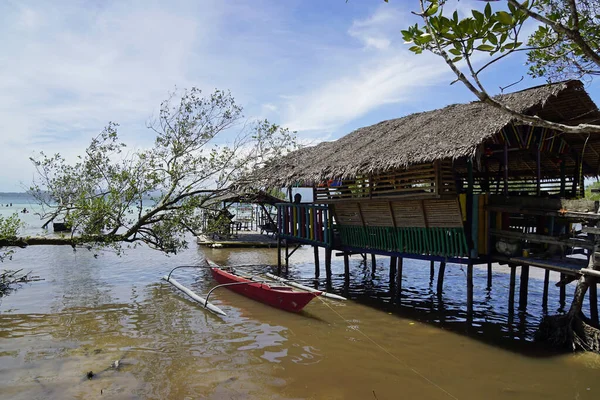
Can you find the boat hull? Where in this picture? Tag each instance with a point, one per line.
(282, 297)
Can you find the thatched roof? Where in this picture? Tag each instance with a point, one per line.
(452, 132)
(247, 197)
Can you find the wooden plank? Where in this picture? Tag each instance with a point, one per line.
(408, 214)
(531, 211)
(535, 238)
(389, 203)
(578, 205)
(591, 229)
(442, 213)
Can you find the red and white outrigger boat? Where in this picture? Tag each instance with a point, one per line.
(274, 291)
(274, 294)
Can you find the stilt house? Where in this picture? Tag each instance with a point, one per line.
(464, 184)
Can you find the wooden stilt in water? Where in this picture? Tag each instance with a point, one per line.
(489, 276)
(346, 266)
(278, 255)
(545, 293)
(393, 261)
(563, 292)
(328, 252)
(373, 264)
(511, 288)
(431, 270)
(470, 291)
(346, 274)
(440, 282)
(524, 287)
(399, 278)
(317, 267)
(287, 257)
(594, 303)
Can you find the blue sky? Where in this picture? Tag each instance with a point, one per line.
(321, 67)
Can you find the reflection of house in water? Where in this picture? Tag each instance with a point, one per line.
(250, 222)
(462, 184)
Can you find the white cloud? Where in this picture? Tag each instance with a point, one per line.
(376, 31)
(366, 80)
(67, 71)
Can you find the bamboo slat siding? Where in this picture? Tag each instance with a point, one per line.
(422, 180)
(431, 213)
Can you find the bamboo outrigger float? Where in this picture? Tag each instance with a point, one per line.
(204, 302)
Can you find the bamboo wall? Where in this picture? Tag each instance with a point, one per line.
(418, 181)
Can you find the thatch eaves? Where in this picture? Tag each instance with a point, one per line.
(452, 132)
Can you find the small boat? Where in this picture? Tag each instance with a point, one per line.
(283, 297)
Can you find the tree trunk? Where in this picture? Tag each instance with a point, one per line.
(572, 331)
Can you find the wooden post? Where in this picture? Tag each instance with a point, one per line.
(511, 289)
(440, 282)
(489, 276)
(524, 287)
(287, 257)
(538, 160)
(563, 292)
(278, 255)
(393, 261)
(373, 264)
(470, 291)
(576, 177)
(545, 293)
(346, 266)
(328, 252)
(505, 169)
(431, 270)
(594, 302)
(317, 267)
(469, 201)
(563, 178)
(399, 278)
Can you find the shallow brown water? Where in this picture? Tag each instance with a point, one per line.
(91, 311)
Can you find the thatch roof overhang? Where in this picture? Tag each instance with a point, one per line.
(247, 197)
(452, 132)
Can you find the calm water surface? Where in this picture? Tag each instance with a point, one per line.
(90, 311)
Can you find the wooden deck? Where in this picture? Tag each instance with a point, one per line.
(242, 239)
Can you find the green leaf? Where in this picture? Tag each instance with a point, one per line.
(488, 11)
(492, 38)
(415, 49)
(478, 16)
(504, 17)
(431, 10)
(456, 59)
(485, 47)
(406, 35)
(456, 52)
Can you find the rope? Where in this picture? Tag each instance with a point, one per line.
(391, 355)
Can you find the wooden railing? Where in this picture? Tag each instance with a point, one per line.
(446, 242)
(308, 223)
